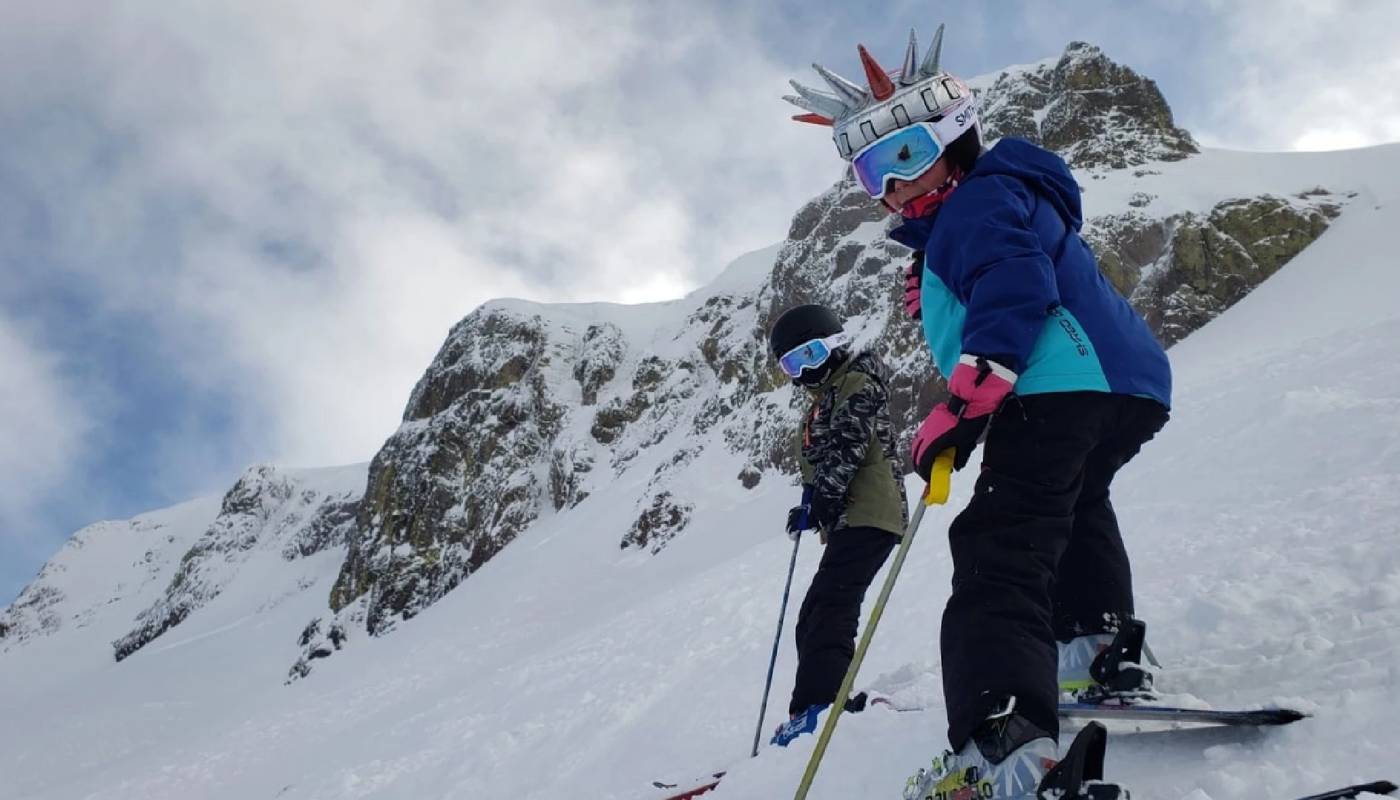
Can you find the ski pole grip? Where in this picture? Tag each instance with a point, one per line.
(940, 478)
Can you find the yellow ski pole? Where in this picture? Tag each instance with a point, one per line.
(940, 482)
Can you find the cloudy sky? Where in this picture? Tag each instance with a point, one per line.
(234, 232)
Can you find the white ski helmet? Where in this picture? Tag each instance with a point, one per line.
(858, 116)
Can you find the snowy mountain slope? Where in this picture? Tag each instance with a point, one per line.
(167, 564)
(87, 594)
(611, 479)
(294, 514)
(1263, 524)
(1262, 521)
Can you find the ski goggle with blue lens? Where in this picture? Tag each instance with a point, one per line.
(905, 154)
(810, 354)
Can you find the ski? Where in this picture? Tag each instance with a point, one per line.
(1150, 713)
(1092, 711)
(1155, 713)
(694, 791)
(1379, 787)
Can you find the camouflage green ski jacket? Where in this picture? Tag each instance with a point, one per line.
(847, 449)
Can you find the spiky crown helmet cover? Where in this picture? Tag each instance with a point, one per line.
(918, 92)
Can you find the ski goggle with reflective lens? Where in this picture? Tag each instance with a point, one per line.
(905, 154)
(810, 354)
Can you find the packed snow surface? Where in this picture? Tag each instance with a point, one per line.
(1264, 524)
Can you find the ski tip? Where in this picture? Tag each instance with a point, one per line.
(1348, 792)
(1147, 712)
(1284, 716)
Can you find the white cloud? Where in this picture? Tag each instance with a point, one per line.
(43, 430)
(303, 198)
(1305, 75)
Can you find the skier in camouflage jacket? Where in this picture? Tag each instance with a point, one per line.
(853, 493)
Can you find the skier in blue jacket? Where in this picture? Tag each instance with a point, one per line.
(1063, 379)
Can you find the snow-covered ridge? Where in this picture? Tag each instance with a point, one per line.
(297, 515)
(116, 586)
(107, 563)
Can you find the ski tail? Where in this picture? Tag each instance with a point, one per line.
(695, 790)
(704, 788)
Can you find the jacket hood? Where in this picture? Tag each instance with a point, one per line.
(871, 364)
(1046, 173)
(1042, 170)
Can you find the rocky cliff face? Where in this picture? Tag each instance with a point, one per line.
(469, 468)
(1094, 112)
(1183, 270)
(34, 613)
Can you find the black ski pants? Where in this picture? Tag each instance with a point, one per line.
(830, 615)
(1037, 554)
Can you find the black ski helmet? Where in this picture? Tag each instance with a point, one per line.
(801, 324)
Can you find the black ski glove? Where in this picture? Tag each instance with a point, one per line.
(825, 514)
(800, 516)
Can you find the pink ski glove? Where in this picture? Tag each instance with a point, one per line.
(913, 287)
(979, 387)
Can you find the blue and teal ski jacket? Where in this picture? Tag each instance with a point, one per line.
(1007, 276)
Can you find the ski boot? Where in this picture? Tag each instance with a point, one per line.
(807, 721)
(1106, 667)
(798, 724)
(1006, 759)
(1009, 758)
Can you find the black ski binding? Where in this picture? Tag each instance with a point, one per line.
(1079, 775)
(1117, 669)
